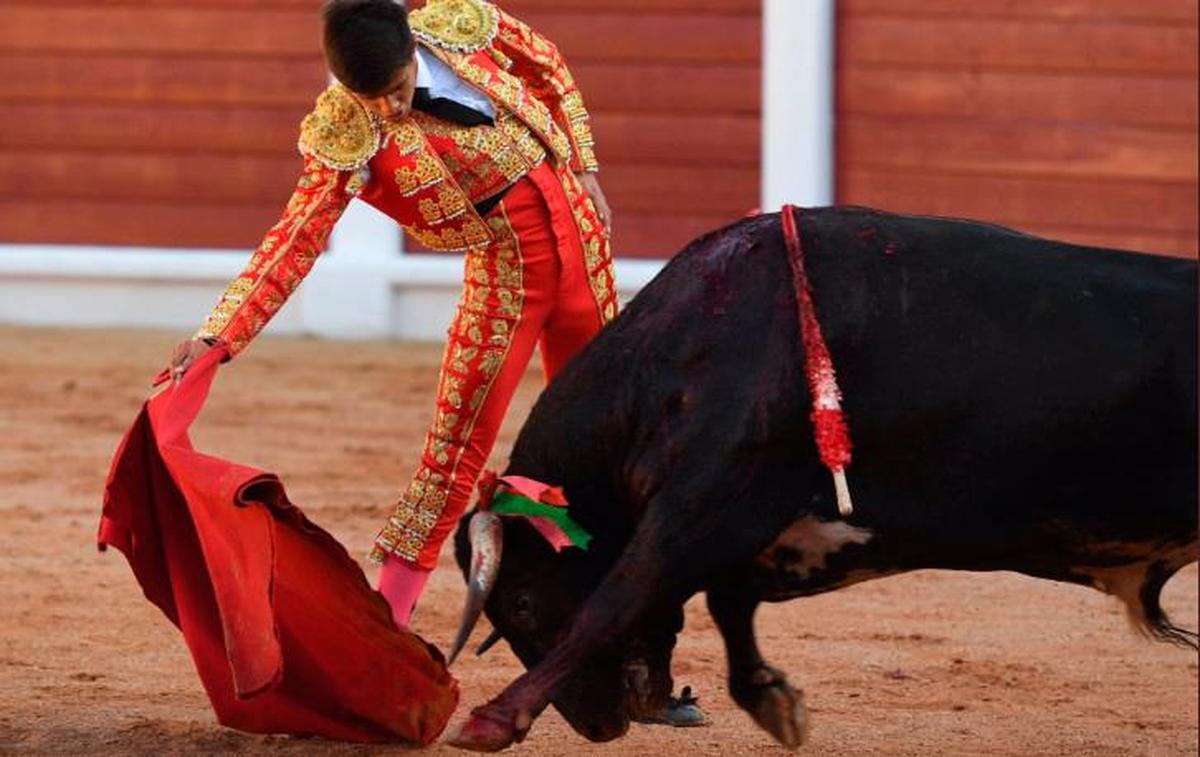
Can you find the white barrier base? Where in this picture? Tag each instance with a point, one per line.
(403, 296)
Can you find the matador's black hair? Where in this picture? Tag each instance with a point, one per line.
(366, 42)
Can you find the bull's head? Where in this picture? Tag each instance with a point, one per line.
(531, 594)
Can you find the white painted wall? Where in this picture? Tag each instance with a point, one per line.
(350, 293)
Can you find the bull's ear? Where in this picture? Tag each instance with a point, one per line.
(489, 642)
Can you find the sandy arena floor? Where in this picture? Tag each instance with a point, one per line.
(921, 664)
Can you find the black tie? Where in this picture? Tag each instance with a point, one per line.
(447, 109)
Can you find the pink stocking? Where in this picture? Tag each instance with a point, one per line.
(401, 583)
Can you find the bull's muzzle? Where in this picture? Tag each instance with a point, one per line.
(487, 547)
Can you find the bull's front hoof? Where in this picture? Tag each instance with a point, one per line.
(776, 707)
(489, 731)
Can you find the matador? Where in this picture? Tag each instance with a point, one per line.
(466, 127)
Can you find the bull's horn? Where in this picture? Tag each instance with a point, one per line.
(489, 642)
(487, 547)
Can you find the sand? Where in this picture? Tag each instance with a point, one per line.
(919, 664)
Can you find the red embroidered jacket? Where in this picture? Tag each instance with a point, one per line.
(402, 168)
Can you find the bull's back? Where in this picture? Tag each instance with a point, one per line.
(1005, 394)
(1009, 394)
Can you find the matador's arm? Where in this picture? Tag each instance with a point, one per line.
(284, 258)
(537, 62)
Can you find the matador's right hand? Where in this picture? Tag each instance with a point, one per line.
(185, 354)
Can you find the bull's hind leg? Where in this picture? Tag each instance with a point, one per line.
(1152, 617)
(759, 689)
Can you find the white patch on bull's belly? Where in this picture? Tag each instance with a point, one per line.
(814, 540)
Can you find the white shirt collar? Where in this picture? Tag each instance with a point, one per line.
(424, 69)
(442, 81)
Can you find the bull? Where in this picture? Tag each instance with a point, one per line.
(1015, 404)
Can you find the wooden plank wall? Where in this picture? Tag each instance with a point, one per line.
(167, 124)
(1075, 119)
(152, 122)
(674, 89)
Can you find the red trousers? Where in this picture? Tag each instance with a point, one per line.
(546, 281)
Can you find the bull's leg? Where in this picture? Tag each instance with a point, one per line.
(642, 578)
(759, 689)
(638, 581)
(648, 682)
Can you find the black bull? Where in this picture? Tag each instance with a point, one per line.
(1015, 404)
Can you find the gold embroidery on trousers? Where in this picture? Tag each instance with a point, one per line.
(480, 339)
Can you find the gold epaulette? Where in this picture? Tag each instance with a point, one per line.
(464, 26)
(339, 132)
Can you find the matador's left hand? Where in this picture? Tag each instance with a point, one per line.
(592, 185)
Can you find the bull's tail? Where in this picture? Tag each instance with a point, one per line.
(1152, 619)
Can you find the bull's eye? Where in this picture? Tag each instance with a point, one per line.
(523, 610)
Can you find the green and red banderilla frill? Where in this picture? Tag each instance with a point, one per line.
(542, 505)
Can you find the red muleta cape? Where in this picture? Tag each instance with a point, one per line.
(284, 630)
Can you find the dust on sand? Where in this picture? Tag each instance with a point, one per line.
(925, 663)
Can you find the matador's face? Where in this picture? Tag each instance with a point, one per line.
(394, 102)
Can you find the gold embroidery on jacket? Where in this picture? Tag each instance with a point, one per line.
(581, 130)
(473, 234)
(426, 172)
(464, 26)
(549, 78)
(339, 132)
(483, 160)
(406, 135)
(281, 261)
(596, 255)
(512, 95)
